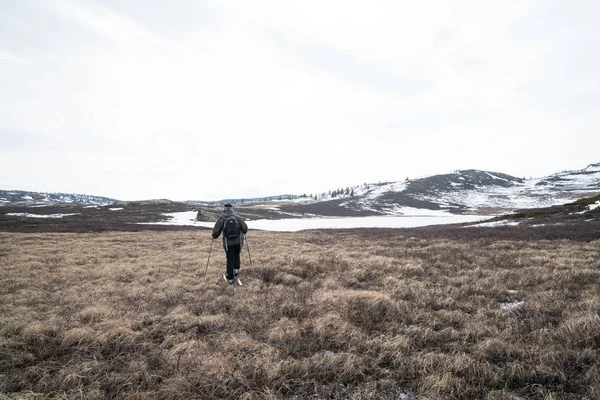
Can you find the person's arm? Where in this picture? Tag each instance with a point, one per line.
(243, 225)
(217, 228)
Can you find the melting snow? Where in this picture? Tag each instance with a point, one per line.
(588, 208)
(360, 222)
(593, 168)
(415, 212)
(497, 177)
(188, 218)
(495, 223)
(116, 209)
(180, 218)
(513, 305)
(531, 193)
(28, 215)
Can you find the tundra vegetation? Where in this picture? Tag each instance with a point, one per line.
(469, 313)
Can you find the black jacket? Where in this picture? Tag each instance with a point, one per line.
(219, 228)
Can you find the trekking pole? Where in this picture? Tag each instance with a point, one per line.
(248, 248)
(210, 251)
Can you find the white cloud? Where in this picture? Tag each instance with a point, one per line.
(111, 25)
(7, 57)
(309, 95)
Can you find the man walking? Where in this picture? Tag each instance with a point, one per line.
(233, 228)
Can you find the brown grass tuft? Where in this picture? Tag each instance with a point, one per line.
(362, 314)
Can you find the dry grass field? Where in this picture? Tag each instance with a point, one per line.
(358, 314)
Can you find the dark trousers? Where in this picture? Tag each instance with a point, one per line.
(233, 259)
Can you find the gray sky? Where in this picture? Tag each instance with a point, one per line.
(193, 99)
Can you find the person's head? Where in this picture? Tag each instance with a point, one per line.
(228, 207)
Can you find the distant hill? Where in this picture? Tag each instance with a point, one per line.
(248, 200)
(461, 192)
(20, 197)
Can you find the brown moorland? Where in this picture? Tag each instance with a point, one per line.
(481, 313)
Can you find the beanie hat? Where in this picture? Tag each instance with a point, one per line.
(227, 205)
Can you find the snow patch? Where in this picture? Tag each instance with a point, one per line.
(302, 200)
(29, 215)
(513, 305)
(116, 209)
(497, 177)
(293, 225)
(416, 212)
(540, 225)
(184, 218)
(188, 218)
(495, 223)
(593, 168)
(588, 208)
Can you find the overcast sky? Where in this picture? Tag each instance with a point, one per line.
(202, 99)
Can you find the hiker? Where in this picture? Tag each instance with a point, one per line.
(233, 228)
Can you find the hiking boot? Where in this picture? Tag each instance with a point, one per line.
(230, 281)
(236, 272)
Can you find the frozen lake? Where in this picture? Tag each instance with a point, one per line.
(188, 218)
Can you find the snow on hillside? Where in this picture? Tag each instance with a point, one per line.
(574, 180)
(463, 191)
(369, 194)
(496, 197)
(460, 192)
(473, 190)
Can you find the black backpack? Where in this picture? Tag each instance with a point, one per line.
(231, 228)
